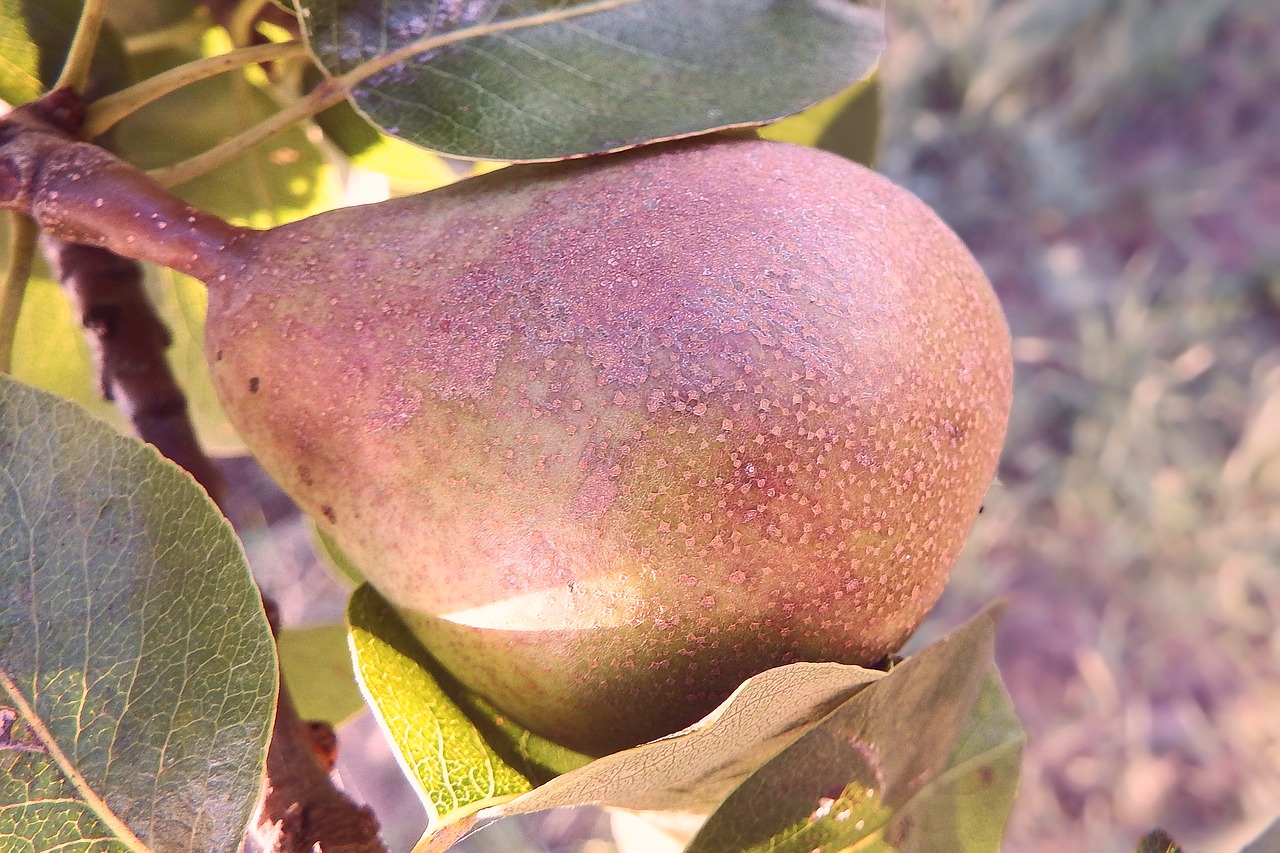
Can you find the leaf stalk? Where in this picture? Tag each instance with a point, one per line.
(75, 71)
(107, 111)
(23, 234)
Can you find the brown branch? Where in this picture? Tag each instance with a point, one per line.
(128, 341)
(301, 811)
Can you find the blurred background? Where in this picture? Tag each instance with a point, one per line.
(1115, 166)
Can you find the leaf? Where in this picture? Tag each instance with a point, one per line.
(19, 56)
(694, 770)
(279, 180)
(140, 17)
(457, 763)
(332, 556)
(135, 658)
(316, 664)
(1159, 841)
(540, 80)
(34, 39)
(410, 169)
(924, 759)
(182, 303)
(848, 124)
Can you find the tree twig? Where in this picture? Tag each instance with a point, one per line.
(301, 811)
(129, 341)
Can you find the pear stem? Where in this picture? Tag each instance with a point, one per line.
(22, 246)
(78, 192)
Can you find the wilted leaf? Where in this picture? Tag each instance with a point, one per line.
(458, 760)
(316, 664)
(539, 80)
(135, 660)
(925, 759)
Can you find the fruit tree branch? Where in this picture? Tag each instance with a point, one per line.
(301, 810)
(129, 341)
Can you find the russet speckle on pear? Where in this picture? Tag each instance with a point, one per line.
(616, 434)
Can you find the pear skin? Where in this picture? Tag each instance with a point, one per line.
(615, 434)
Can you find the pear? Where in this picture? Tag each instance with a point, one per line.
(615, 434)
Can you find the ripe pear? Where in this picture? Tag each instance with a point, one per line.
(614, 435)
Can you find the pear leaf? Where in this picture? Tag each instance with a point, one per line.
(847, 124)
(924, 759)
(316, 665)
(535, 80)
(456, 751)
(694, 770)
(34, 39)
(137, 670)
(279, 180)
(19, 56)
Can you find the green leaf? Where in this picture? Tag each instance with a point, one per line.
(848, 124)
(135, 658)
(138, 17)
(457, 753)
(694, 770)
(182, 302)
(332, 556)
(34, 39)
(410, 169)
(19, 56)
(925, 759)
(279, 180)
(316, 665)
(540, 80)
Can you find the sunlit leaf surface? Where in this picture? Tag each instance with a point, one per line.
(137, 672)
(458, 753)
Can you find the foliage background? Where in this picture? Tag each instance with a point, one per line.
(1113, 165)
